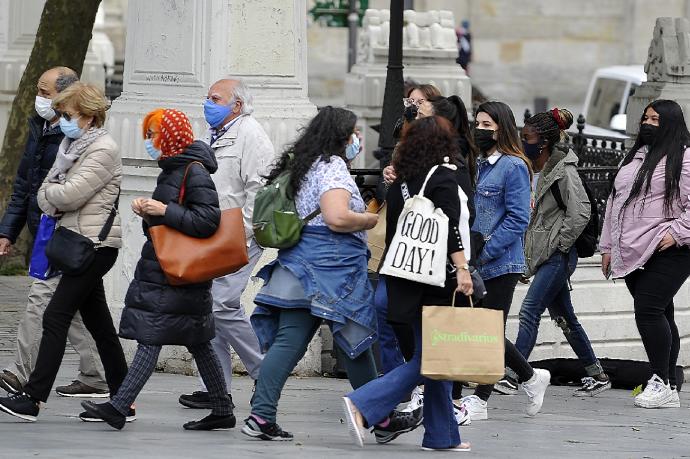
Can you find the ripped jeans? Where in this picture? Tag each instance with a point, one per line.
(550, 290)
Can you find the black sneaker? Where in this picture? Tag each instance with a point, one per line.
(105, 411)
(506, 386)
(269, 431)
(10, 382)
(212, 422)
(593, 386)
(79, 389)
(21, 406)
(399, 423)
(199, 400)
(86, 417)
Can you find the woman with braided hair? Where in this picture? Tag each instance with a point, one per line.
(561, 211)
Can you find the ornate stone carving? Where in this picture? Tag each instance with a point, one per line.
(668, 58)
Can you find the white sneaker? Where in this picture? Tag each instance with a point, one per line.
(657, 394)
(674, 402)
(416, 400)
(535, 389)
(462, 416)
(476, 407)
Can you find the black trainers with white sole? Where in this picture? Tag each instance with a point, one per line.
(506, 386)
(592, 386)
(21, 406)
(398, 424)
(86, 417)
(269, 431)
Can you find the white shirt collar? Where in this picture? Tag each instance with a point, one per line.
(495, 157)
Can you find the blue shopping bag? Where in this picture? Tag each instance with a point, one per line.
(39, 266)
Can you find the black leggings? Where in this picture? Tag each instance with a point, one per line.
(499, 296)
(653, 289)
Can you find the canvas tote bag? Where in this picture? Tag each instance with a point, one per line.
(462, 344)
(420, 245)
(190, 260)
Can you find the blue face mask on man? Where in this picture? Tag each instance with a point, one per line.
(215, 113)
(70, 128)
(153, 152)
(352, 149)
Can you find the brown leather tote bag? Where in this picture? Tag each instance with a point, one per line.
(190, 260)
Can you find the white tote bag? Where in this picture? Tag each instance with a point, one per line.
(419, 247)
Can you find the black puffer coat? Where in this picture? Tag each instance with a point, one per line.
(38, 158)
(156, 312)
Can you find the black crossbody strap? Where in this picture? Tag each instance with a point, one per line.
(556, 192)
(312, 215)
(111, 219)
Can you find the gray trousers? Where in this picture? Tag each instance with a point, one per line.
(233, 329)
(30, 331)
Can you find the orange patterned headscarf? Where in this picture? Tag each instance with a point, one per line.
(173, 131)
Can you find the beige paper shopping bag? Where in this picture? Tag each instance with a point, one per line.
(462, 344)
(376, 237)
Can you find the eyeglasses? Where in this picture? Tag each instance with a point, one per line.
(409, 101)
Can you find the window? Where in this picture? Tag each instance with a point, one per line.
(606, 101)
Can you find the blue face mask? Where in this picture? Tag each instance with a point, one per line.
(215, 113)
(352, 149)
(70, 128)
(153, 152)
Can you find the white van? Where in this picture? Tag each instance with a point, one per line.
(607, 98)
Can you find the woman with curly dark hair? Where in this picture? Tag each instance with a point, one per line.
(428, 142)
(324, 276)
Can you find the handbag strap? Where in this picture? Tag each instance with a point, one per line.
(111, 219)
(428, 176)
(183, 186)
(405, 191)
(456, 294)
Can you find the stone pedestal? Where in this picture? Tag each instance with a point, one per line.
(429, 53)
(18, 25)
(170, 63)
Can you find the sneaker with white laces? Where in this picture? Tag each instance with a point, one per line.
(656, 395)
(416, 400)
(476, 407)
(535, 389)
(592, 386)
(462, 416)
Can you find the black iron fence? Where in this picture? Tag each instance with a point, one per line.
(599, 159)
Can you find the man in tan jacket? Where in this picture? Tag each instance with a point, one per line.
(244, 153)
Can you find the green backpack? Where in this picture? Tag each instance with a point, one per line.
(275, 219)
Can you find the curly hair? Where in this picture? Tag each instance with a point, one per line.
(425, 143)
(326, 135)
(551, 125)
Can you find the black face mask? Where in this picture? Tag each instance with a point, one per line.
(484, 139)
(648, 133)
(532, 150)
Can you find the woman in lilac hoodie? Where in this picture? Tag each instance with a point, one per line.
(645, 239)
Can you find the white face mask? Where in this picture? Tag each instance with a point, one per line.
(43, 108)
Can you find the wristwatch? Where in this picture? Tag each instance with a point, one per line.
(466, 267)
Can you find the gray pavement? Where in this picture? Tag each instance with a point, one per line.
(605, 426)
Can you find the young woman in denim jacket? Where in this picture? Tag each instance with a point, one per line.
(550, 243)
(502, 206)
(645, 239)
(324, 276)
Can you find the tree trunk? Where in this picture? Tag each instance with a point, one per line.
(62, 39)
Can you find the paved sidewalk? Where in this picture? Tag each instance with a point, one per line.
(604, 426)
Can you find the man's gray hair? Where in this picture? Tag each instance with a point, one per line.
(242, 92)
(66, 78)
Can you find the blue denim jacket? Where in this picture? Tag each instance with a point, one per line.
(332, 270)
(502, 205)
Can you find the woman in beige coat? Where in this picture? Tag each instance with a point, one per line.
(82, 189)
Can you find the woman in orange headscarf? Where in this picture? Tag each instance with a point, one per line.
(157, 313)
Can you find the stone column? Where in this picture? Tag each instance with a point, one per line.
(175, 50)
(18, 25)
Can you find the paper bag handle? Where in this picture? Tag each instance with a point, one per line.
(453, 301)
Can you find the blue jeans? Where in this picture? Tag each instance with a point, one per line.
(391, 356)
(376, 399)
(549, 290)
(296, 328)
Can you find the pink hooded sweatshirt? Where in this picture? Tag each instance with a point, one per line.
(631, 235)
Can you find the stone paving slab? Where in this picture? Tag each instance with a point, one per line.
(604, 426)
(13, 293)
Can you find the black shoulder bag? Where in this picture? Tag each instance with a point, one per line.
(72, 253)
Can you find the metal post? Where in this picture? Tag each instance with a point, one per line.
(393, 95)
(352, 22)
